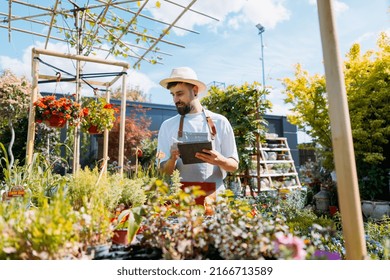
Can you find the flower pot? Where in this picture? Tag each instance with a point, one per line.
(55, 122)
(93, 129)
(375, 209)
(120, 237)
(322, 200)
(333, 210)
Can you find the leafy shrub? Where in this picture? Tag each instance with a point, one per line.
(46, 232)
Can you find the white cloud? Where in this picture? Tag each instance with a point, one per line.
(229, 12)
(338, 6)
(22, 67)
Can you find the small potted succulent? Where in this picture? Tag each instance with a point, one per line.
(98, 115)
(56, 112)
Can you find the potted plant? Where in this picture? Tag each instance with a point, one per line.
(98, 115)
(56, 112)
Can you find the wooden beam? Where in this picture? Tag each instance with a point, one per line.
(344, 157)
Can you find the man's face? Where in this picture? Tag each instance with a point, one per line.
(183, 94)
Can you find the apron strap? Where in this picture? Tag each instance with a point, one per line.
(210, 124)
(180, 131)
(212, 128)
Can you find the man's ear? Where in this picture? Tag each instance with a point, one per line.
(196, 90)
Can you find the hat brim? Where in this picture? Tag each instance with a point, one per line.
(201, 86)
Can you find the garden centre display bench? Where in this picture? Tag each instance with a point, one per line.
(274, 167)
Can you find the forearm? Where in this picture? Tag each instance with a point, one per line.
(168, 166)
(229, 164)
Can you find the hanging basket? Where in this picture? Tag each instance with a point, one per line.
(93, 129)
(55, 122)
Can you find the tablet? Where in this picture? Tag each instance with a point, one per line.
(189, 149)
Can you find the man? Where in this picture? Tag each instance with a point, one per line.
(195, 122)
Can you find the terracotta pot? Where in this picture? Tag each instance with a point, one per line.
(333, 210)
(93, 129)
(55, 122)
(120, 237)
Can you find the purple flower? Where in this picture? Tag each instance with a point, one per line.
(325, 255)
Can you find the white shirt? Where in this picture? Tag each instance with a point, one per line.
(224, 143)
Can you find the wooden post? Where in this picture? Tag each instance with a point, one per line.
(76, 139)
(105, 139)
(344, 157)
(122, 126)
(31, 115)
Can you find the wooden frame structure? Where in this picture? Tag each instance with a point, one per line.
(338, 107)
(36, 53)
(113, 22)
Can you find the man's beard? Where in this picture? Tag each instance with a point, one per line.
(183, 110)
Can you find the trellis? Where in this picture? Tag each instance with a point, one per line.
(115, 22)
(338, 107)
(36, 53)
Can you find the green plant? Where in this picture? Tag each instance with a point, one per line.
(378, 239)
(284, 167)
(89, 186)
(244, 107)
(98, 112)
(45, 232)
(133, 194)
(14, 104)
(373, 181)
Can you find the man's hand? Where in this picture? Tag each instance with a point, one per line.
(170, 165)
(215, 158)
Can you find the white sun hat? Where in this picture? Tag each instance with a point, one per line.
(185, 75)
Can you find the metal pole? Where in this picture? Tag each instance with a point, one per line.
(344, 157)
(262, 58)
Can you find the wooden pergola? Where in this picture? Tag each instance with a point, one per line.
(116, 23)
(91, 27)
(36, 53)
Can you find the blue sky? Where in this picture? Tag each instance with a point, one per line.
(228, 51)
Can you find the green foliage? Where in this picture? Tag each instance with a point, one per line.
(378, 239)
(133, 194)
(367, 83)
(90, 187)
(148, 147)
(307, 95)
(244, 107)
(367, 79)
(373, 182)
(98, 112)
(47, 232)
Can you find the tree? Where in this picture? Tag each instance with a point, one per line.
(244, 107)
(14, 104)
(132, 94)
(136, 130)
(367, 79)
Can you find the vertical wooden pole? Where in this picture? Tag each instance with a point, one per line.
(344, 157)
(122, 126)
(76, 143)
(105, 139)
(31, 115)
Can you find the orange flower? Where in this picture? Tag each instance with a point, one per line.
(64, 108)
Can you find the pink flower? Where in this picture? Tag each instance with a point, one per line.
(291, 247)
